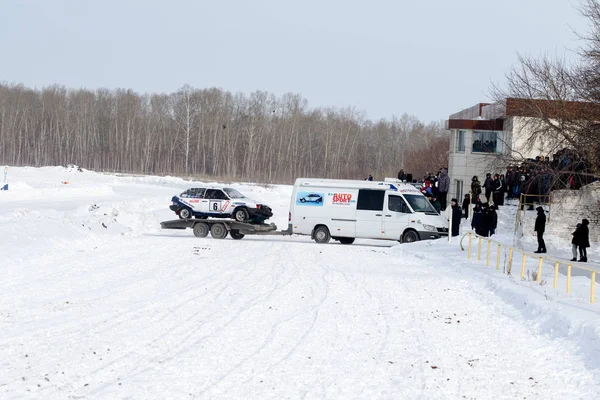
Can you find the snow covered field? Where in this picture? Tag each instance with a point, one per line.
(96, 301)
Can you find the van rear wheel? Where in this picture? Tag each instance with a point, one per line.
(322, 235)
(410, 237)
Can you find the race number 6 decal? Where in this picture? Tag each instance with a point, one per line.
(215, 205)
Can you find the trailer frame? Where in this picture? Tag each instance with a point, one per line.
(220, 228)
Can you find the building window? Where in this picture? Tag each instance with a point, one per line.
(485, 142)
(460, 141)
(459, 190)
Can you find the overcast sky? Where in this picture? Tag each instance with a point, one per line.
(429, 58)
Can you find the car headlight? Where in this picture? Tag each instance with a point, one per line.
(429, 227)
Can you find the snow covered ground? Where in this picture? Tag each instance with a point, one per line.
(97, 302)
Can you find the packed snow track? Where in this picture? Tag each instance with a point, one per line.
(97, 301)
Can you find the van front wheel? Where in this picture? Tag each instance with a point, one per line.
(322, 235)
(410, 237)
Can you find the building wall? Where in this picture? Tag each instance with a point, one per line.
(464, 165)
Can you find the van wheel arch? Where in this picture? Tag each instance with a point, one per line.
(409, 236)
(321, 234)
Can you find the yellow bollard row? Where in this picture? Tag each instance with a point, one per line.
(524, 263)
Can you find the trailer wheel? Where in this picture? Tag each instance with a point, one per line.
(185, 213)
(201, 229)
(235, 234)
(322, 235)
(346, 240)
(218, 231)
(241, 215)
(410, 237)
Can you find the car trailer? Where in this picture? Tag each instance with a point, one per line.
(219, 229)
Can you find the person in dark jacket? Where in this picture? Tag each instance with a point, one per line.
(443, 186)
(581, 239)
(486, 221)
(493, 219)
(402, 175)
(465, 206)
(476, 221)
(488, 186)
(540, 228)
(475, 188)
(574, 242)
(456, 217)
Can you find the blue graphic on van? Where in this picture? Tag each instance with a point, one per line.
(309, 199)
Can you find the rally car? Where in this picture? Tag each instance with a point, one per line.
(219, 202)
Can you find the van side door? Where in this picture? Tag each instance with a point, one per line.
(369, 214)
(396, 217)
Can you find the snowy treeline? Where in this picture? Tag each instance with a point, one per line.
(209, 132)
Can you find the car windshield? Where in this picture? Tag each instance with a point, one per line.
(420, 203)
(234, 194)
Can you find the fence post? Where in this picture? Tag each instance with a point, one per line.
(487, 258)
(555, 275)
(539, 273)
(523, 266)
(509, 266)
(470, 240)
(479, 250)
(593, 288)
(498, 258)
(569, 279)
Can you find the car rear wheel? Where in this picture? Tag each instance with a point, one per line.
(201, 229)
(346, 240)
(410, 237)
(241, 215)
(235, 234)
(185, 213)
(322, 235)
(218, 231)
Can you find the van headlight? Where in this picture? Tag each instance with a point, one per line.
(429, 228)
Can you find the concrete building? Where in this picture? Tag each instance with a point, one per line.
(481, 135)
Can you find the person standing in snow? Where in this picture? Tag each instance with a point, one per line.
(488, 185)
(485, 225)
(454, 213)
(476, 221)
(475, 188)
(465, 206)
(493, 219)
(443, 188)
(540, 228)
(575, 241)
(370, 178)
(581, 239)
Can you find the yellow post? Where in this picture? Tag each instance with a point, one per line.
(487, 258)
(498, 258)
(509, 266)
(569, 278)
(555, 275)
(523, 266)
(479, 250)
(593, 288)
(539, 274)
(470, 240)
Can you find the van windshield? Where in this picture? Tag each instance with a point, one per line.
(420, 204)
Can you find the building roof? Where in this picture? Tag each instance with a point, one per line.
(486, 116)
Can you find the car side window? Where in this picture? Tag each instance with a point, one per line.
(397, 204)
(215, 194)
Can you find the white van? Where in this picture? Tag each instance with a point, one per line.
(345, 209)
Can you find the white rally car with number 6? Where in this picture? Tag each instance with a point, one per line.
(219, 202)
